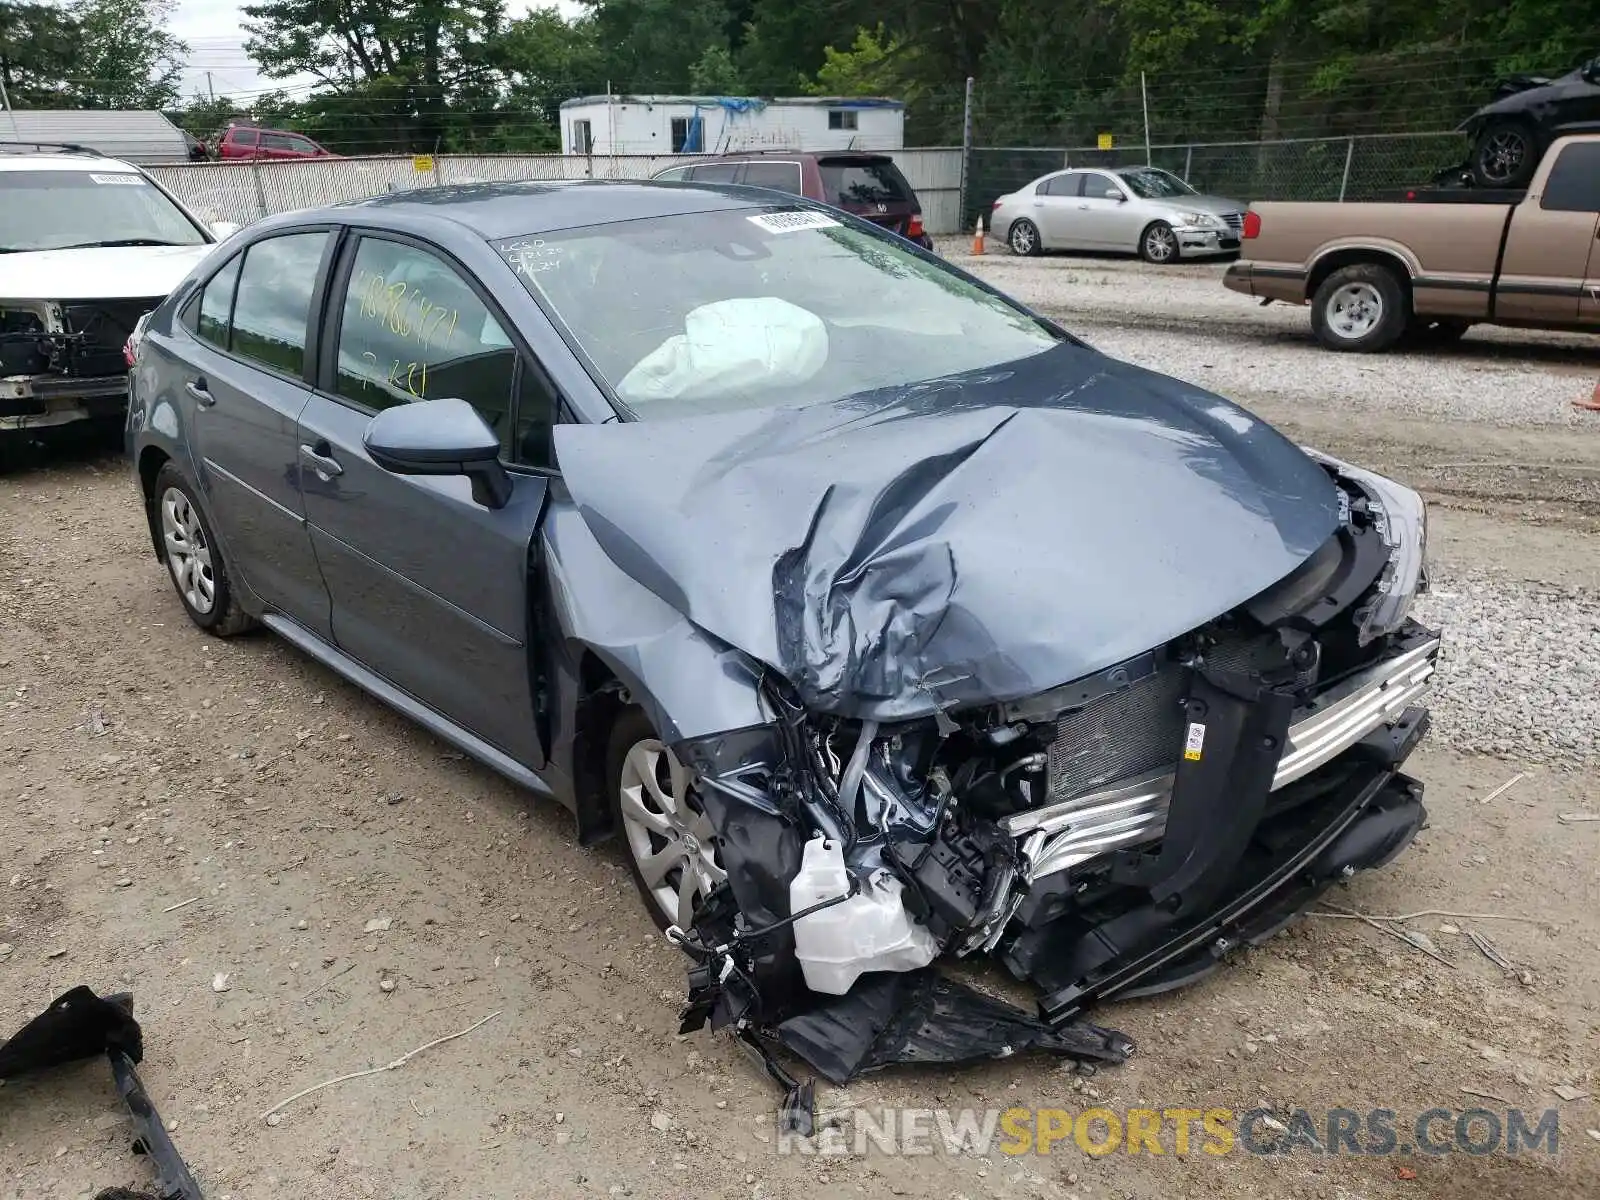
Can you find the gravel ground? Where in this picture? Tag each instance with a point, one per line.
(173, 808)
(1183, 322)
(1521, 675)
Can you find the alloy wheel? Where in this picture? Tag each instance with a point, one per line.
(1503, 155)
(1023, 238)
(1160, 244)
(188, 552)
(668, 833)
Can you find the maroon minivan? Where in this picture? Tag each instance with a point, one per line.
(866, 184)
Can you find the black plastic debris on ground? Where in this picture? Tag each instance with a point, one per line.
(927, 1017)
(79, 1025)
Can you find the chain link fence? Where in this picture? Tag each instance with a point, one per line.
(1345, 168)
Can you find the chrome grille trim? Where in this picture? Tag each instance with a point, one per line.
(1235, 220)
(1135, 811)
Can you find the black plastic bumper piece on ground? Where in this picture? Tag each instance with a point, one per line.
(78, 1025)
(1296, 876)
(929, 1018)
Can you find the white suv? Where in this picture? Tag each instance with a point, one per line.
(88, 245)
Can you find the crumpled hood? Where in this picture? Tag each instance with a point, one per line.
(977, 538)
(103, 273)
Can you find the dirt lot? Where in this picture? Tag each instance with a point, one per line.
(175, 809)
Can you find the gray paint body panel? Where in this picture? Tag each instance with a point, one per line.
(1018, 528)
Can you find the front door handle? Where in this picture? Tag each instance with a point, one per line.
(320, 459)
(1084, 207)
(202, 394)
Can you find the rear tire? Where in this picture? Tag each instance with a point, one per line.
(1361, 309)
(1505, 155)
(1024, 238)
(666, 837)
(194, 559)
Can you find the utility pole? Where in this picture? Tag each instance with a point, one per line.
(966, 156)
(1144, 99)
(211, 88)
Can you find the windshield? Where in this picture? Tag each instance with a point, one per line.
(1152, 183)
(715, 311)
(53, 210)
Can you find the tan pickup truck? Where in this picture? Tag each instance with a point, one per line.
(1439, 262)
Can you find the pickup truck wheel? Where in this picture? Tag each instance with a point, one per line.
(1361, 308)
(1505, 155)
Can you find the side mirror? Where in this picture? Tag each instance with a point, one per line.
(440, 437)
(223, 230)
(1121, 197)
(1591, 70)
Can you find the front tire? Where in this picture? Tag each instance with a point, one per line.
(1360, 309)
(1158, 244)
(194, 560)
(1505, 155)
(667, 838)
(1024, 238)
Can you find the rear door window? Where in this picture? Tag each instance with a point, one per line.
(863, 181)
(1574, 183)
(272, 310)
(1061, 185)
(779, 176)
(242, 137)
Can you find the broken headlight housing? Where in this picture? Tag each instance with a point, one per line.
(1400, 517)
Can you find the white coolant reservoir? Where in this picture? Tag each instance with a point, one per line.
(871, 931)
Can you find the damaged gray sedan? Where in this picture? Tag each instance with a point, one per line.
(882, 621)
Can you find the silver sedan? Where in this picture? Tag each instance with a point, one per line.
(1140, 210)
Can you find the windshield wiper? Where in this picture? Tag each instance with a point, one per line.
(119, 242)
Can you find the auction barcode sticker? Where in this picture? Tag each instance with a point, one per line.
(123, 178)
(1194, 741)
(788, 222)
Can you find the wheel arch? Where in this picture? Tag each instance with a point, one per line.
(151, 460)
(1349, 256)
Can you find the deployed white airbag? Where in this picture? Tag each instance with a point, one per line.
(747, 342)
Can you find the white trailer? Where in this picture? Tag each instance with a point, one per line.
(658, 125)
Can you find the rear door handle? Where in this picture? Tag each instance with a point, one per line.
(197, 388)
(320, 459)
(1083, 207)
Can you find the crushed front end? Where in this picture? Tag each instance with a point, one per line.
(62, 362)
(1116, 835)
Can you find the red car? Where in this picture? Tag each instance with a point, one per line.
(250, 141)
(868, 185)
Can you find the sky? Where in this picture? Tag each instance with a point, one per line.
(214, 32)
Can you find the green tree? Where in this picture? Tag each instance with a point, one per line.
(90, 54)
(653, 45)
(392, 69)
(714, 73)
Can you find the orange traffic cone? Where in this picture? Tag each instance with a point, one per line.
(1592, 404)
(977, 240)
